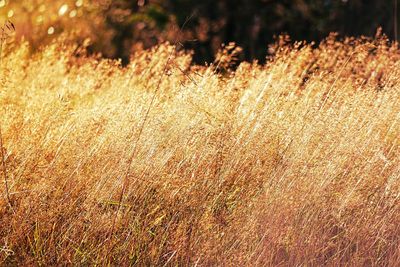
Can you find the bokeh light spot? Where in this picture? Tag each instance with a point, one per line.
(10, 13)
(39, 19)
(63, 9)
(51, 30)
(42, 8)
(72, 14)
(79, 3)
(2, 3)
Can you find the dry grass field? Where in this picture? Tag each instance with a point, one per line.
(164, 163)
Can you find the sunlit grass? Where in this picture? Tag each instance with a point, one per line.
(295, 162)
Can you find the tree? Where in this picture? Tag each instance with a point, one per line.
(117, 27)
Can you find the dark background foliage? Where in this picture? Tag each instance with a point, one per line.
(118, 27)
(253, 24)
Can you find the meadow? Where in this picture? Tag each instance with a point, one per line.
(295, 162)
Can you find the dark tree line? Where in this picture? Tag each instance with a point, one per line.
(252, 24)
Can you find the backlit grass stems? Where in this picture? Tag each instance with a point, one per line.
(295, 162)
(5, 31)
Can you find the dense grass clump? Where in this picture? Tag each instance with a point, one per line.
(295, 162)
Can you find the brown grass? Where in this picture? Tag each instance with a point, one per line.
(292, 163)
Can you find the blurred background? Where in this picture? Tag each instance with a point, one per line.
(116, 28)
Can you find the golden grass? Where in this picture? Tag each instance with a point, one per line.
(295, 162)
